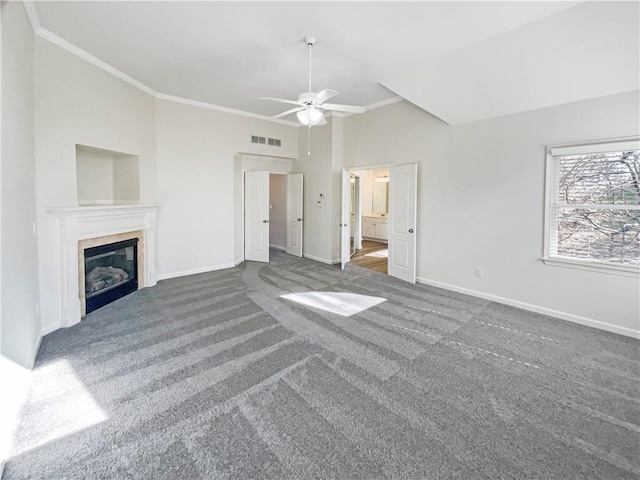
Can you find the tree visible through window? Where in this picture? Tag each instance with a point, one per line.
(595, 208)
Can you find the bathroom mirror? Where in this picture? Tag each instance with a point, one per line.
(381, 191)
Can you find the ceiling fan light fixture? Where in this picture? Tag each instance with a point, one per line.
(310, 116)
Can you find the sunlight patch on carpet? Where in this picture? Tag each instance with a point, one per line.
(379, 254)
(60, 405)
(344, 304)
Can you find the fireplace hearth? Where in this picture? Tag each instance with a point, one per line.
(110, 272)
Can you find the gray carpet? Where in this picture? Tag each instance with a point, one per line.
(215, 376)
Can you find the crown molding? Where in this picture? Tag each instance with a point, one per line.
(210, 106)
(86, 56)
(45, 34)
(38, 30)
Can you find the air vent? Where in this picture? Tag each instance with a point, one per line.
(274, 142)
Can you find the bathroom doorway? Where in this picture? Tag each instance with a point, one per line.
(369, 216)
(379, 219)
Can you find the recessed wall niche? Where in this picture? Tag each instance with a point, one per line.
(106, 177)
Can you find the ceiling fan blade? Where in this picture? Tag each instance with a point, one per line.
(281, 100)
(288, 112)
(342, 108)
(325, 95)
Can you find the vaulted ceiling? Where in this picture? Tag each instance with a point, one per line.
(461, 61)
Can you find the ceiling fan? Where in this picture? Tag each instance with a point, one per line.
(310, 105)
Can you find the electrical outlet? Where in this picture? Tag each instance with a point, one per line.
(479, 272)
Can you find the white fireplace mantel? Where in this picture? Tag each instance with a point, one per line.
(85, 222)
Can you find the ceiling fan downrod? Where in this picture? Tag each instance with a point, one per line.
(311, 41)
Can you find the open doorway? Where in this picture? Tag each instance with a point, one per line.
(278, 211)
(272, 214)
(369, 218)
(388, 215)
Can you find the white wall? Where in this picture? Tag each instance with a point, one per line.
(200, 183)
(126, 178)
(319, 223)
(19, 255)
(94, 175)
(78, 103)
(481, 201)
(278, 210)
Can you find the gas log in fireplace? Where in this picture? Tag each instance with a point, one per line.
(110, 272)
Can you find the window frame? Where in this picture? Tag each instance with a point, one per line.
(551, 194)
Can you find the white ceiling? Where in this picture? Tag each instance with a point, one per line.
(231, 53)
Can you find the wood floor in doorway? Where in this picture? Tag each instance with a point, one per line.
(372, 255)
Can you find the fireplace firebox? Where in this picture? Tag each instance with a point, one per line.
(110, 272)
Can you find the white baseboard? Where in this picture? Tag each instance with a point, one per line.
(278, 247)
(238, 262)
(166, 276)
(318, 259)
(48, 329)
(589, 322)
(34, 353)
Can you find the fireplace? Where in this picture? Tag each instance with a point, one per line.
(110, 272)
(82, 228)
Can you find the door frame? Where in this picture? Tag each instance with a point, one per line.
(352, 169)
(357, 214)
(270, 164)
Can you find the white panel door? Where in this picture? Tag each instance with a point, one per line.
(256, 216)
(294, 214)
(345, 249)
(402, 222)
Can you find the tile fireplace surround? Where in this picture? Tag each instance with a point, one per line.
(97, 225)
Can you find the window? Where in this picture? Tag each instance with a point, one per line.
(593, 206)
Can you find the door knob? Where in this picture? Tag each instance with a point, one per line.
(411, 230)
(265, 221)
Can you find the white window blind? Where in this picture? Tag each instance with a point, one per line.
(593, 207)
